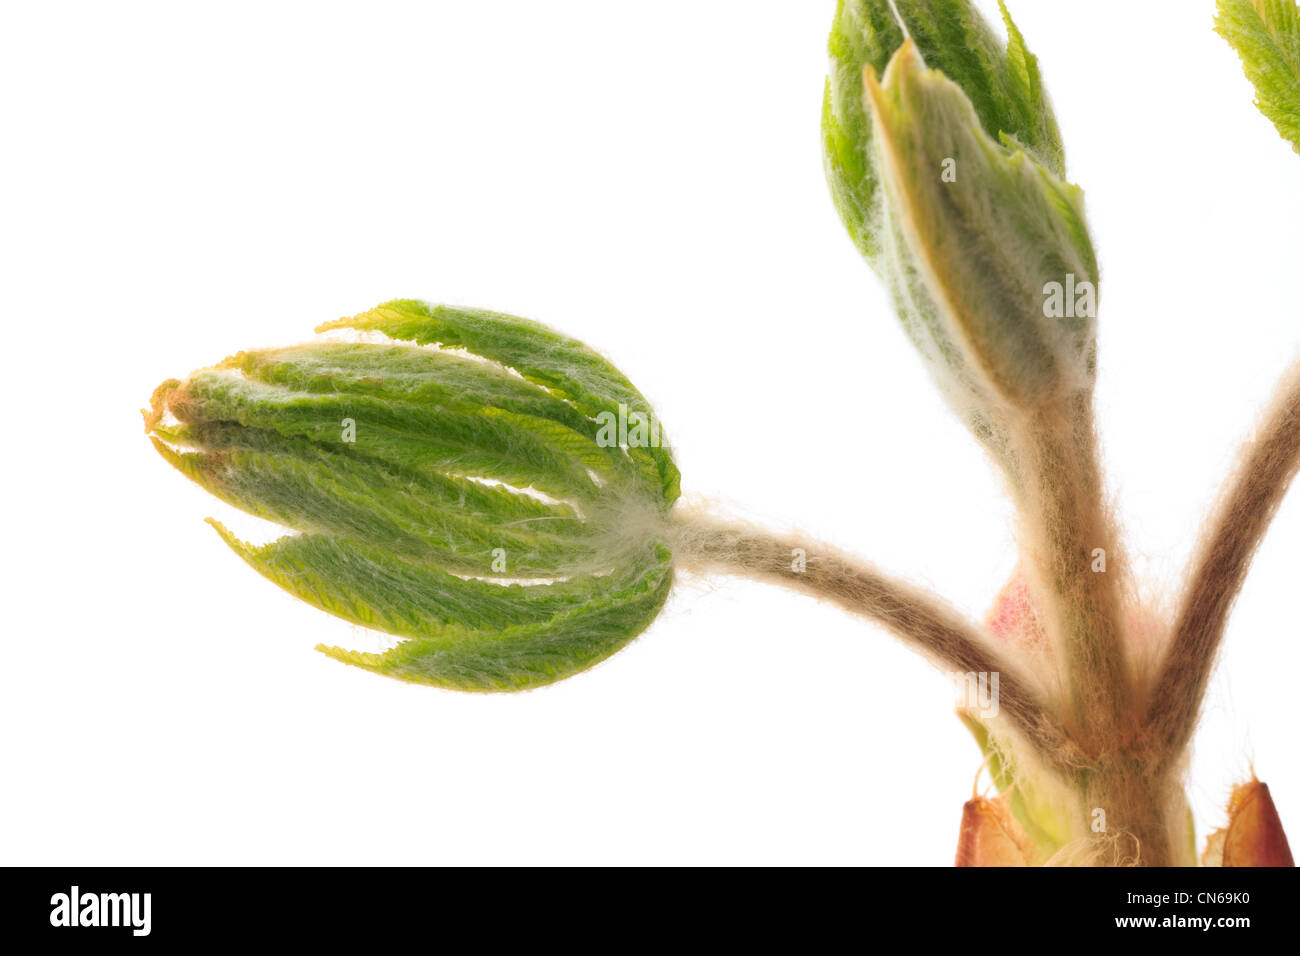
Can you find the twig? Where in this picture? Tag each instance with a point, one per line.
(1229, 540)
(920, 619)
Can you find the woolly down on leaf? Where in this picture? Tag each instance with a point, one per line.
(451, 480)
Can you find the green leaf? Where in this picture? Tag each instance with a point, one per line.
(466, 634)
(863, 34)
(563, 366)
(471, 498)
(1266, 35)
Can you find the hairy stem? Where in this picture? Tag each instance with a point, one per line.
(1266, 466)
(1072, 549)
(1145, 813)
(920, 619)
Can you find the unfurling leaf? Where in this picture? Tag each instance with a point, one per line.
(1266, 35)
(949, 174)
(993, 272)
(475, 483)
(1001, 80)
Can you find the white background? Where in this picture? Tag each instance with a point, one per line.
(180, 182)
